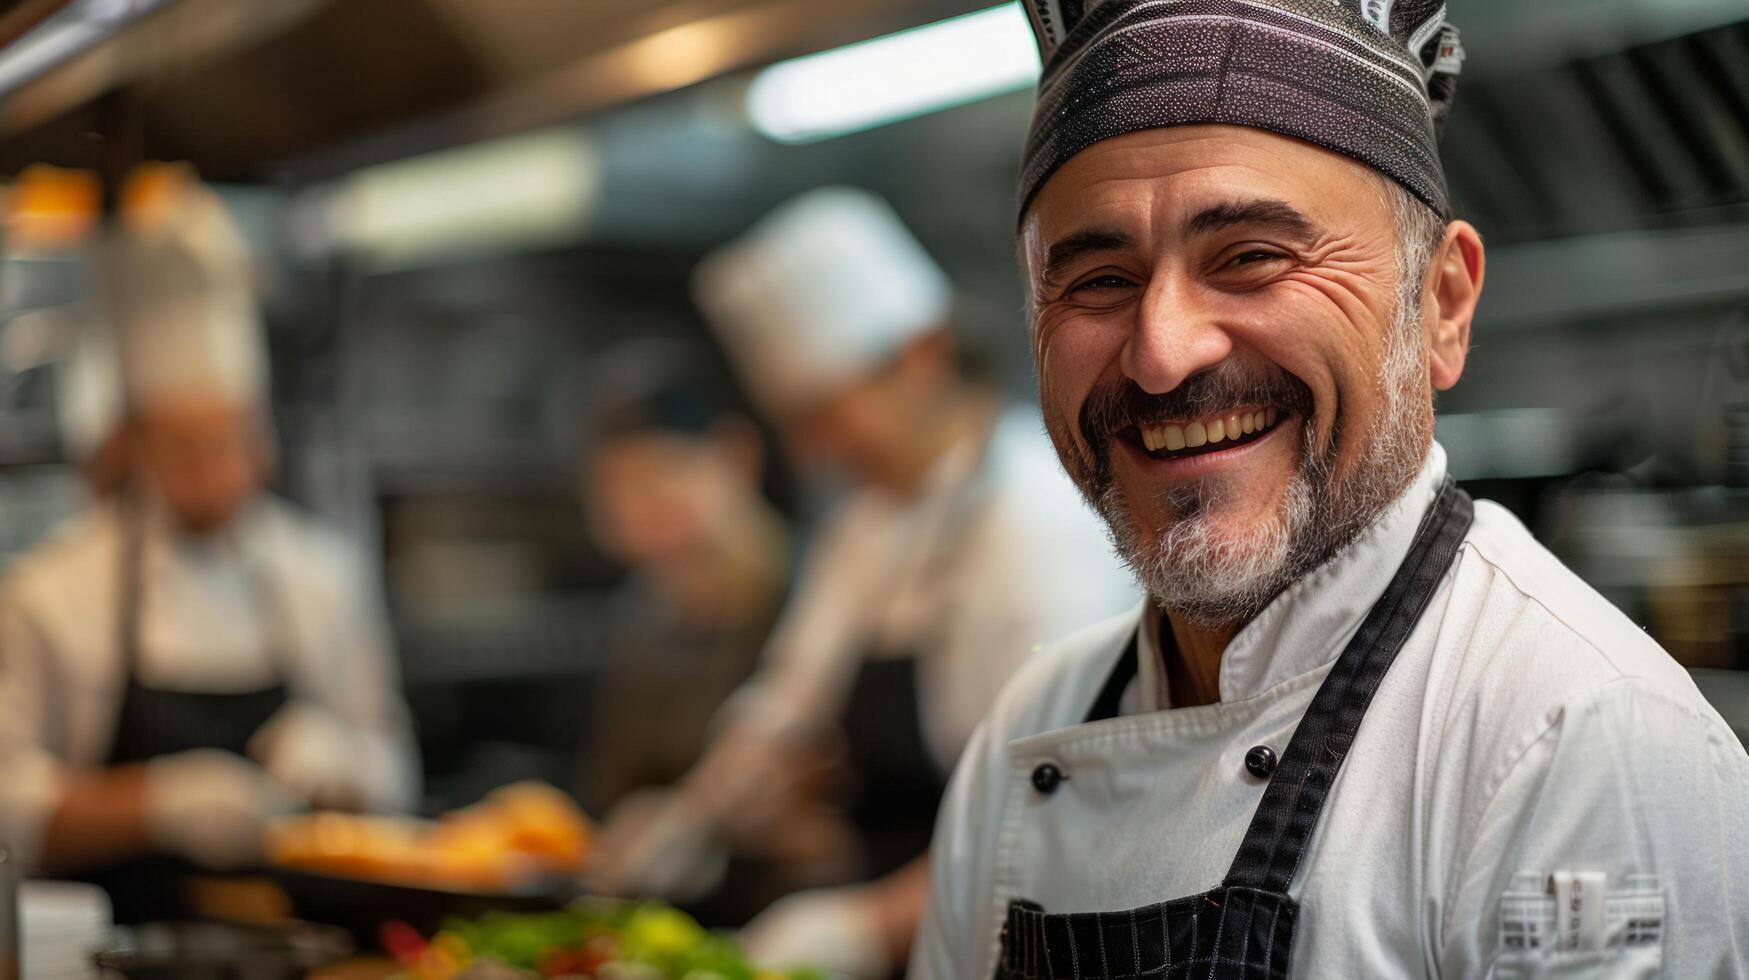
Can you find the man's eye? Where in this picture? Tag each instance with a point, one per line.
(1101, 283)
(1253, 257)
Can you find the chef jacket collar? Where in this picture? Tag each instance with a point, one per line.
(164, 541)
(1307, 625)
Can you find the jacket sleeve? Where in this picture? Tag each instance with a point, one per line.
(960, 869)
(352, 671)
(813, 652)
(31, 788)
(1639, 790)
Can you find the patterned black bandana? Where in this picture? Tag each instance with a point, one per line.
(1372, 79)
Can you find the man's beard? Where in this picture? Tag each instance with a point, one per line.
(1211, 576)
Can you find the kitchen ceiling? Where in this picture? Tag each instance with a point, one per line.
(1647, 115)
(420, 73)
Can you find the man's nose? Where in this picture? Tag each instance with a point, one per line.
(1174, 337)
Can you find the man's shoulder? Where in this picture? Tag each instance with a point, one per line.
(1555, 734)
(1525, 647)
(303, 540)
(85, 549)
(1522, 600)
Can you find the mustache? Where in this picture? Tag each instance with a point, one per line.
(1116, 405)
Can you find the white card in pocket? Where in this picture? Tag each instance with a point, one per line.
(1572, 923)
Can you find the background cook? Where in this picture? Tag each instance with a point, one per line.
(960, 549)
(193, 655)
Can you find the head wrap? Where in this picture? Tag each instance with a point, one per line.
(1372, 79)
(821, 292)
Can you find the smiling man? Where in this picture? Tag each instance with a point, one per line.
(1365, 727)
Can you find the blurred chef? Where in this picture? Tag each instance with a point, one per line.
(193, 656)
(672, 474)
(962, 549)
(675, 475)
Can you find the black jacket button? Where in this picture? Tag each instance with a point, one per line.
(1046, 778)
(1260, 761)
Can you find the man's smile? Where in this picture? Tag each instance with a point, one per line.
(1200, 442)
(1190, 437)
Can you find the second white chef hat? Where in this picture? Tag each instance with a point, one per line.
(819, 292)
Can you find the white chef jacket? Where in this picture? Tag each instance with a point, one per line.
(1528, 736)
(217, 615)
(996, 556)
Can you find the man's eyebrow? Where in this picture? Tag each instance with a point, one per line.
(1279, 215)
(1060, 253)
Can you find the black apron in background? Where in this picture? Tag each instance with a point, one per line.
(153, 723)
(899, 783)
(1244, 928)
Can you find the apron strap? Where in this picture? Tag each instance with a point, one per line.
(130, 508)
(1110, 698)
(1271, 850)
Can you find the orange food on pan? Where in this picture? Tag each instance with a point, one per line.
(513, 835)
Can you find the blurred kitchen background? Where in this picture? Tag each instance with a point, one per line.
(458, 204)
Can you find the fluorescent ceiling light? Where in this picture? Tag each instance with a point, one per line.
(526, 191)
(899, 76)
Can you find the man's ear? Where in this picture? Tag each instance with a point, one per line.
(1454, 288)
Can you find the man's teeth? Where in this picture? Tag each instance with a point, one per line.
(1206, 431)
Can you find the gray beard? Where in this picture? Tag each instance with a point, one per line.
(1213, 579)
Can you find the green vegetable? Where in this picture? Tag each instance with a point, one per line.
(654, 942)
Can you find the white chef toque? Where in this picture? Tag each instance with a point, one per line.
(178, 289)
(820, 292)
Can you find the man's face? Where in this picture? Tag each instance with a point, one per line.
(871, 425)
(205, 455)
(657, 498)
(1193, 281)
(853, 428)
